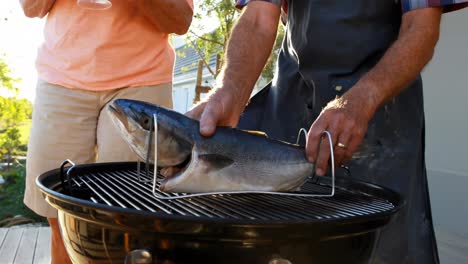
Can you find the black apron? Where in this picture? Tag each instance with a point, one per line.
(328, 46)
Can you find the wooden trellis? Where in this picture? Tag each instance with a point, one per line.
(199, 88)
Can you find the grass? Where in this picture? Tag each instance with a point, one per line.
(11, 196)
(24, 131)
(12, 191)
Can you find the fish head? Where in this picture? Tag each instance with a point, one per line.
(135, 123)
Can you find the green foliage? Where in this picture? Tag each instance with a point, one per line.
(225, 13)
(11, 196)
(6, 81)
(14, 112)
(24, 128)
(10, 139)
(214, 42)
(269, 69)
(15, 115)
(9, 144)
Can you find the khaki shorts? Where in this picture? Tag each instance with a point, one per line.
(74, 124)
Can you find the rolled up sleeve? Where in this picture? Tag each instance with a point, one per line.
(448, 5)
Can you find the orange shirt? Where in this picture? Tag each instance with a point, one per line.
(103, 49)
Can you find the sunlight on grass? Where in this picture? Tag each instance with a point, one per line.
(25, 128)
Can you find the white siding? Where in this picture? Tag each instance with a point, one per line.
(180, 99)
(446, 93)
(446, 106)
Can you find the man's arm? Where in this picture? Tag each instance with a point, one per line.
(347, 117)
(169, 16)
(36, 8)
(248, 50)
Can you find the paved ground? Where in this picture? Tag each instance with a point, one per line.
(453, 247)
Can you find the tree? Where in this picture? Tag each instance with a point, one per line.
(6, 81)
(9, 144)
(13, 112)
(269, 69)
(221, 12)
(225, 14)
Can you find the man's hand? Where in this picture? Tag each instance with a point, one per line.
(248, 50)
(222, 108)
(346, 118)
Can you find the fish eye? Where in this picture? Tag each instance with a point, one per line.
(145, 122)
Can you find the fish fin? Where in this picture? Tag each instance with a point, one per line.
(257, 133)
(216, 161)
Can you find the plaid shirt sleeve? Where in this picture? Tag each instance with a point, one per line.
(448, 5)
(242, 3)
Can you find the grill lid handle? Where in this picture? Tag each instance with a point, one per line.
(67, 174)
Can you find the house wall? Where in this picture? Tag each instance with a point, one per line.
(183, 91)
(445, 95)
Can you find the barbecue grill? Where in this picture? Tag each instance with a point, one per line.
(107, 215)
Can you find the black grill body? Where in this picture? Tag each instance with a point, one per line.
(105, 214)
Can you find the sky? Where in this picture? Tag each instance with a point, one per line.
(20, 38)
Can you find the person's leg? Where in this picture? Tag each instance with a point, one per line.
(58, 252)
(111, 146)
(63, 127)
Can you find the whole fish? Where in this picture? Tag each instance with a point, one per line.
(230, 160)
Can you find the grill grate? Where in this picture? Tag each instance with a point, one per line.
(121, 188)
